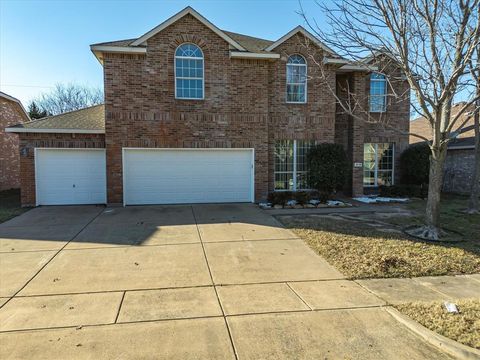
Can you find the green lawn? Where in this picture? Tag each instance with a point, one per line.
(374, 245)
(10, 205)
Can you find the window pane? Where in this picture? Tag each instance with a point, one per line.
(189, 72)
(378, 92)
(284, 181)
(296, 93)
(303, 146)
(296, 78)
(283, 165)
(378, 164)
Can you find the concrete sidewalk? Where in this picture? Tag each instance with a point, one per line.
(432, 288)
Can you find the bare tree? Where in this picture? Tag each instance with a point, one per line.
(432, 42)
(473, 203)
(68, 97)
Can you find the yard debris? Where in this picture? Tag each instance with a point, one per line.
(291, 203)
(451, 307)
(265, 205)
(337, 203)
(379, 199)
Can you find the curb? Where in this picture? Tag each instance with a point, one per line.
(448, 345)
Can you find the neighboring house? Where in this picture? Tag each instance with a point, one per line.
(460, 160)
(198, 114)
(11, 112)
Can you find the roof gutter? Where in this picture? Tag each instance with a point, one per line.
(250, 55)
(98, 50)
(54, 131)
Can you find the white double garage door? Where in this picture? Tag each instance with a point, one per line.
(150, 176)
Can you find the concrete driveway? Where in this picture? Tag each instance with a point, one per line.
(183, 282)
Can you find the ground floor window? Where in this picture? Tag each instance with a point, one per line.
(378, 164)
(291, 164)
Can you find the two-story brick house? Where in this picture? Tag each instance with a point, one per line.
(196, 114)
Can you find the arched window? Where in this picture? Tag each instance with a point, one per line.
(189, 76)
(296, 79)
(378, 93)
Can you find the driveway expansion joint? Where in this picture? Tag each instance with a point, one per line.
(214, 287)
(54, 255)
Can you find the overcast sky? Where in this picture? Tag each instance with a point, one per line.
(47, 42)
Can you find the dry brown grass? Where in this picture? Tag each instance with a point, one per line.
(463, 327)
(364, 249)
(10, 205)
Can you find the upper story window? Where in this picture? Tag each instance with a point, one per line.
(296, 79)
(189, 74)
(378, 93)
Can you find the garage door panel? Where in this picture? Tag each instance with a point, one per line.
(187, 176)
(70, 176)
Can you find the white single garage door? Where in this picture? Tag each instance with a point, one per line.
(176, 176)
(70, 176)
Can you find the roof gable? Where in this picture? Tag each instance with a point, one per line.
(15, 100)
(187, 11)
(308, 35)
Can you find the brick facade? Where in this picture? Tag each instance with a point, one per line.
(11, 113)
(458, 172)
(244, 107)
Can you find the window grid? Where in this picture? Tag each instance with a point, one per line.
(189, 72)
(291, 165)
(378, 164)
(378, 93)
(296, 79)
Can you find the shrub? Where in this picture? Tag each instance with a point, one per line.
(302, 197)
(327, 168)
(420, 191)
(415, 164)
(279, 197)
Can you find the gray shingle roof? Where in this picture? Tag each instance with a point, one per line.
(125, 42)
(91, 118)
(250, 43)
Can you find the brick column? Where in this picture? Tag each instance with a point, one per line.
(358, 134)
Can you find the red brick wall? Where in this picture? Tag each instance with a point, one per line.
(391, 126)
(30, 141)
(244, 103)
(10, 114)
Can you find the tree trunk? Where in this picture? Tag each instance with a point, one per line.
(473, 202)
(431, 230)
(432, 214)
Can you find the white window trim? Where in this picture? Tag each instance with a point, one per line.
(376, 166)
(287, 83)
(294, 171)
(384, 80)
(189, 78)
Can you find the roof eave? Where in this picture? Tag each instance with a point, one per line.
(251, 55)
(54, 131)
(303, 31)
(187, 11)
(99, 50)
(11, 98)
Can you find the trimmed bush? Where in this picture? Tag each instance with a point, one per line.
(419, 191)
(302, 197)
(280, 197)
(415, 164)
(327, 169)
